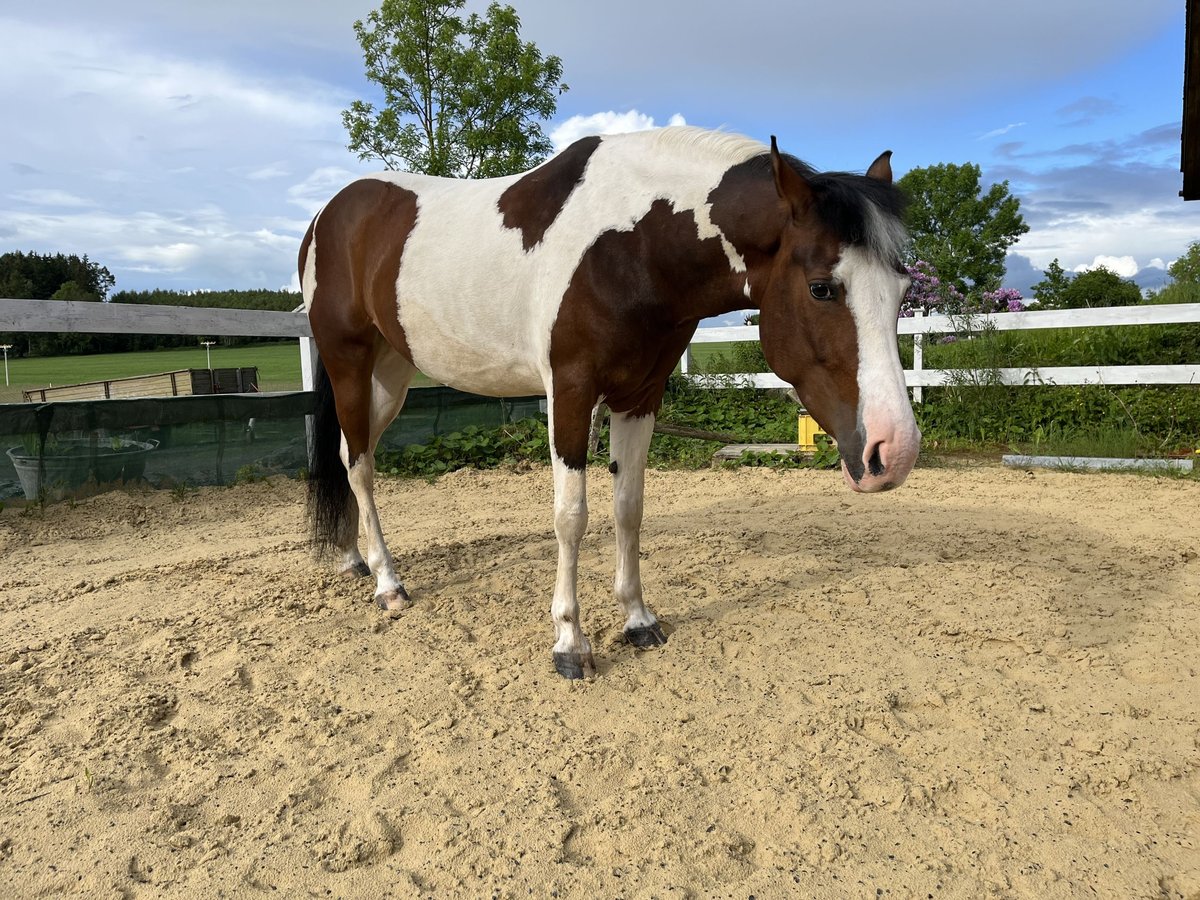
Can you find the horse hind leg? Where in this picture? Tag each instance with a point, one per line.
(630, 442)
(368, 400)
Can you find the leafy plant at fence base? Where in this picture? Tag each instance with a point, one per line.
(825, 457)
(472, 447)
(755, 415)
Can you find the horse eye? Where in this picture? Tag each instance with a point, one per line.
(822, 290)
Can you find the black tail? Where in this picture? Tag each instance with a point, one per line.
(330, 503)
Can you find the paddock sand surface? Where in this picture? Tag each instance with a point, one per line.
(984, 684)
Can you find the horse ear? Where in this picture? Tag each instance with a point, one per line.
(790, 184)
(881, 169)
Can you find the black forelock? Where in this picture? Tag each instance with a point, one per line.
(845, 200)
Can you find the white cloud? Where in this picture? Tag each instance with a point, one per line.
(271, 170)
(316, 190)
(1156, 263)
(996, 132)
(154, 162)
(1125, 266)
(1080, 242)
(169, 258)
(50, 197)
(609, 122)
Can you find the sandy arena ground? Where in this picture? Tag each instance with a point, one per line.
(985, 684)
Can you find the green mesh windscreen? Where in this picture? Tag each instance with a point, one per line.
(64, 449)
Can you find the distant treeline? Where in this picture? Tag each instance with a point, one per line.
(32, 276)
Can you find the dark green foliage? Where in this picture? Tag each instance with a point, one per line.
(473, 447)
(42, 276)
(1095, 288)
(743, 356)
(39, 276)
(1101, 346)
(826, 457)
(1159, 419)
(757, 416)
(277, 301)
(1178, 292)
(1186, 269)
(976, 410)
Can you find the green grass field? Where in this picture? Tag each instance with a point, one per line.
(702, 353)
(278, 367)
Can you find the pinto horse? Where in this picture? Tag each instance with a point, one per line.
(584, 279)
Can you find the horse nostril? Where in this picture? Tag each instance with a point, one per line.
(875, 463)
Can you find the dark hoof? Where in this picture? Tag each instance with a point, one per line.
(575, 665)
(649, 636)
(358, 570)
(397, 599)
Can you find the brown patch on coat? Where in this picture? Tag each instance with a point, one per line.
(360, 238)
(533, 202)
(628, 313)
(812, 344)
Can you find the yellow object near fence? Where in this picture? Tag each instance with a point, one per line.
(809, 430)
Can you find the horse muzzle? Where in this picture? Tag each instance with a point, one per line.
(882, 460)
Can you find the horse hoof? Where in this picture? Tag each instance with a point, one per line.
(575, 665)
(397, 599)
(358, 570)
(647, 636)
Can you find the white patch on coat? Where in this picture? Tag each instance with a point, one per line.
(477, 309)
(308, 284)
(630, 439)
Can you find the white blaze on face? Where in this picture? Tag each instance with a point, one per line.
(873, 293)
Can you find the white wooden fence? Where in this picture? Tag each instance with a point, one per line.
(109, 318)
(89, 317)
(919, 326)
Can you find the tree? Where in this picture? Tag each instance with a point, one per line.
(1094, 288)
(963, 232)
(37, 276)
(1050, 291)
(463, 98)
(1186, 269)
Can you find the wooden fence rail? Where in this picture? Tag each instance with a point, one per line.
(89, 317)
(920, 326)
(78, 316)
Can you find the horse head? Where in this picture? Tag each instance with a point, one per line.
(829, 310)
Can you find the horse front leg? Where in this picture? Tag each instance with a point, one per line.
(630, 442)
(569, 423)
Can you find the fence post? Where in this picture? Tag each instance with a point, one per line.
(308, 381)
(685, 361)
(918, 356)
(308, 363)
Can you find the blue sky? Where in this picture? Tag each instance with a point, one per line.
(187, 145)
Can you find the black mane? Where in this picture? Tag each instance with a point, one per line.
(863, 211)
